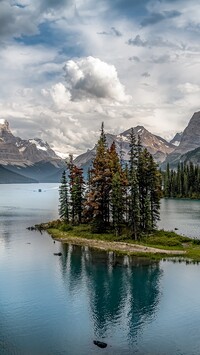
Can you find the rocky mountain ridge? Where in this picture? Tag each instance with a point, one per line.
(177, 138)
(189, 142)
(26, 161)
(156, 145)
(21, 152)
(33, 159)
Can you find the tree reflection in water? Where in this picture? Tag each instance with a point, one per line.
(123, 292)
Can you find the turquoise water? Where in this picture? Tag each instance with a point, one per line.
(59, 305)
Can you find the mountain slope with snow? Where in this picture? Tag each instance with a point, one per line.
(21, 152)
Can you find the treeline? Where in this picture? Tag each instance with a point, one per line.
(183, 182)
(116, 195)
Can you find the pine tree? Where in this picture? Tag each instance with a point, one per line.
(183, 182)
(154, 185)
(76, 190)
(98, 198)
(149, 180)
(117, 203)
(116, 186)
(64, 199)
(134, 212)
(142, 175)
(167, 188)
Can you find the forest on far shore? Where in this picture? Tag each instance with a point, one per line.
(183, 182)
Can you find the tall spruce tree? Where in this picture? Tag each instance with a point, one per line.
(98, 198)
(64, 199)
(116, 187)
(117, 199)
(149, 181)
(76, 191)
(134, 211)
(155, 182)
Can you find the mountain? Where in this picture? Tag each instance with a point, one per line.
(177, 138)
(190, 142)
(191, 135)
(10, 177)
(21, 152)
(156, 145)
(191, 156)
(30, 160)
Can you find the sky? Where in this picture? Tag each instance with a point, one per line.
(66, 66)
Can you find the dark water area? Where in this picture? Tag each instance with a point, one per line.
(59, 304)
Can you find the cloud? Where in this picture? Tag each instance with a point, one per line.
(25, 16)
(91, 78)
(104, 33)
(48, 5)
(152, 42)
(156, 17)
(116, 32)
(189, 88)
(113, 32)
(134, 58)
(39, 37)
(15, 20)
(165, 58)
(145, 75)
(60, 95)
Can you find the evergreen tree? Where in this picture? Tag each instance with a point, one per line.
(182, 182)
(167, 177)
(64, 199)
(149, 180)
(118, 195)
(117, 188)
(117, 203)
(98, 198)
(134, 211)
(76, 190)
(143, 181)
(154, 185)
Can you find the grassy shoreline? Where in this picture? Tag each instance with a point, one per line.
(160, 244)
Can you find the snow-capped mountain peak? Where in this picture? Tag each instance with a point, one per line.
(17, 151)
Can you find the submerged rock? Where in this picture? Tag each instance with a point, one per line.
(100, 344)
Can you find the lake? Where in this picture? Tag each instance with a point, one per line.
(183, 214)
(59, 305)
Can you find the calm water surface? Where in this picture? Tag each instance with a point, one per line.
(59, 305)
(183, 214)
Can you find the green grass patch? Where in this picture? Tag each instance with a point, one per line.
(166, 239)
(158, 239)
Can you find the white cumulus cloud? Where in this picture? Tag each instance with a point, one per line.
(91, 78)
(60, 95)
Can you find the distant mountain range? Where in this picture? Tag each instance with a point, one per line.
(189, 147)
(25, 161)
(156, 145)
(33, 160)
(184, 147)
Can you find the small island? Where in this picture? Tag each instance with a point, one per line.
(158, 245)
(117, 209)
